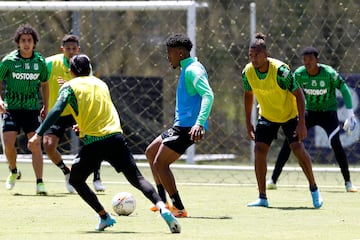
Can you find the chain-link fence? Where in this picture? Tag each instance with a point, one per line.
(127, 50)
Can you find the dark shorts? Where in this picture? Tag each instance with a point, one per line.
(317, 119)
(113, 149)
(59, 127)
(177, 139)
(15, 120)
(266, 131)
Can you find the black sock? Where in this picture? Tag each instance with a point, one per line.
(274, 180)
(96, 175)
(63, 167)
(262, 196)
(313, 188)
(13, 171)
(39, 180)
(176, 201)
(161, 192)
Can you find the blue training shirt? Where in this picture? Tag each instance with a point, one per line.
(194, 96)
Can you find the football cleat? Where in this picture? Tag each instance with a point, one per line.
(317, 199)
(350, 187)
(40, 189)
(178, 213)
(68, 185)
(11, 179)
(171, 221)
(260, 202)
(270, 185)
(155, 209)
(104, 223)
(98, 186)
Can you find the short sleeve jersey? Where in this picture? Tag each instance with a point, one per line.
(23, 78)
(319, 90)
(273, 90)
(58, 66)
(91, 106)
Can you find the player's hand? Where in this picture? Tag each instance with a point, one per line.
(300, 132)
(2, 107)
(350, 122)
(251, 132)
(197, 133)
(43, 112)
(60, 81)
(33, 142)
(76, 129)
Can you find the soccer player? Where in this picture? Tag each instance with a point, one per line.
(99, 124)
(194, 99)
(281, 104)
(319, 82)
(24, 71)
(58, 73)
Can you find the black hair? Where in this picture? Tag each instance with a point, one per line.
(259, 41)
(80, 65)
(310, 50)
(70, 38)
(179, 40)
(26, 29)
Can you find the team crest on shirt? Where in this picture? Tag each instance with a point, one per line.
(27, 66)
(286, 73)
(36, 66)
(313, 83)
(322, 84)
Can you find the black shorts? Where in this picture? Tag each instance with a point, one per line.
(113, 149)
(177, 138)
(15, 120)
(330, 125)
(266, 131)
(59, 127)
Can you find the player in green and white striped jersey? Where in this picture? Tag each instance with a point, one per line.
(319, 83)
(24, 71)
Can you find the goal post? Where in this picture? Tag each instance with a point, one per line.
(97, 5)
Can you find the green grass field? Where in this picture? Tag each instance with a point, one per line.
(218, 210)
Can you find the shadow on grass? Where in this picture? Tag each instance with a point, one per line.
(214, 217)
(110, 232)
(293, 208)
(48, 195)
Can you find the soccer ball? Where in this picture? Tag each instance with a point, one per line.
(123, 203)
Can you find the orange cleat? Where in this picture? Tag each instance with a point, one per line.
(178, 213)
(155, 209)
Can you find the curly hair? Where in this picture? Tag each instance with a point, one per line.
(179, 40)
(26, 29)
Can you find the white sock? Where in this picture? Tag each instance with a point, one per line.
(161, 206)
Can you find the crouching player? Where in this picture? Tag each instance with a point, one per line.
(99, 124)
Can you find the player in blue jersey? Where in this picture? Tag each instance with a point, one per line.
(194, 99)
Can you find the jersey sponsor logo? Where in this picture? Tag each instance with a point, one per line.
(316, 92)
(286, 73)
(25, 76)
